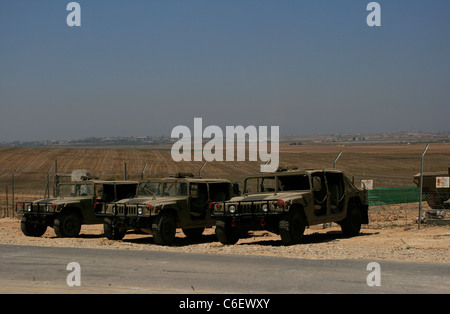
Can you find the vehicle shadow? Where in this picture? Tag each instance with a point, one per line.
(80, 236)
(317, 237)
(91, 236)
(258, 239)
(178, 241)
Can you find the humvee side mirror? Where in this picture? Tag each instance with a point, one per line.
(317, 184)
(194, 191)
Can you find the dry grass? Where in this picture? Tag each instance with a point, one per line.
(388, 165)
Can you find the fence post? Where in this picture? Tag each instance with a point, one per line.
(201, 168)
(47, 188)
(7, 202)
(55, 177)
(143, 170)
(264, 166)
(12, 190)
(421, 182)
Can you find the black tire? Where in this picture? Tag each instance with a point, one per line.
(68, 224)
(164, 229)
(112, 233)
(194, 233)
(351, 225)
(435, 201)
(292, 227)
(225, 233)
(32, 229)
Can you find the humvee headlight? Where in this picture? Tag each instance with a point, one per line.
(29, 208)
(140, 210)
(265, 208)
(47, 208)
(232, 209)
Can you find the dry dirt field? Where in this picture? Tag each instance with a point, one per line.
(430, 244)
(386, 164)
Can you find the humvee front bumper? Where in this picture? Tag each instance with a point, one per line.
(249, 214)
(37, 212)
(248, 208)
(32, 208)
(120, 210)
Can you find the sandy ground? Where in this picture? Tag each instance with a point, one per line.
(430, 244)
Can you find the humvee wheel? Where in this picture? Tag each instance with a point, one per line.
(67, 225)
(351, 225)
(164, 229)
(292, 226)
(32, 230)
(435, 201)
(112, 233)
(225, 233)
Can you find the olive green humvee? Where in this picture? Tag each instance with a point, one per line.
(161, 206)
(436, 194)
(286, 202)
(74, 205)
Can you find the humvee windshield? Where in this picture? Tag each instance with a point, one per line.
(276, 183)
(74, 190)
(158, 188)
(150, 189)
(175, 189)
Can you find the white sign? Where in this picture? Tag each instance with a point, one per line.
(367, 184)
(442, 182)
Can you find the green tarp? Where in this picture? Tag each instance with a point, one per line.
(384, 196)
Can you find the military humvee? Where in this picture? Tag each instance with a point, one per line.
(286, 202)
(73, 206)
(163, 205)
(436, 194)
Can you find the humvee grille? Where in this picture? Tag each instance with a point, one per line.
(126, 210)
(248, 208)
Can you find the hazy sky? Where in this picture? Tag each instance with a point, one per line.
(144, 67)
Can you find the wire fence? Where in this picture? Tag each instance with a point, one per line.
(392, 181)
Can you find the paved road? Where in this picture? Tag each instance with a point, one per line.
(25, 269)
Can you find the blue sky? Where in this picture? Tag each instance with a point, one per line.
(144, 67)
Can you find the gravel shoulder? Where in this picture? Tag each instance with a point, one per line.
(431, 244)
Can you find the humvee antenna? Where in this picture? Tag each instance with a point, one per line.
(201, 168)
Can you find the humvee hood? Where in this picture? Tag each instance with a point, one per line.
(65, 200)
(157, 200)
(166, 200)
(434, 173)
(133, 201)
(270, 196)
